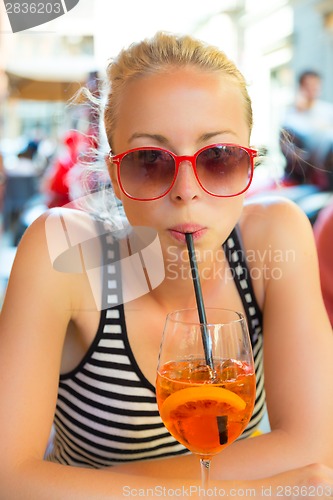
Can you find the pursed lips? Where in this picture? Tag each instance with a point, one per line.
(178, 232)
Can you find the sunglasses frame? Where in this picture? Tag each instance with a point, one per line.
(116, 159)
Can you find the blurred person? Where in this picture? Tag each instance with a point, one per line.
(306, 137)
(178, 121)
(25, 162)
(22, 182)
(63, 180)
(323, 231)
(57, 183)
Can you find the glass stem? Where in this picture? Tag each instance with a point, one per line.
(205, 468)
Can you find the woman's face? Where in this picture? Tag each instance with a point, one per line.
(182, 111)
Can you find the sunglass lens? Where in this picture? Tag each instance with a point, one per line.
(224, 170)
(147, 173)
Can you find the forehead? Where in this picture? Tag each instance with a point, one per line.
(180, 83)
(182, 100)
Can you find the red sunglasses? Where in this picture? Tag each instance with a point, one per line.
(148, 173)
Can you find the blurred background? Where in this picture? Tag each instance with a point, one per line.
(42, 68)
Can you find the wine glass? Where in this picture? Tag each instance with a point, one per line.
(205, 399)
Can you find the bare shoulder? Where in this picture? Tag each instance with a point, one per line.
(59, 221)
(273, 206)
(53, 256)
(58, 234)
(275, 221)
(278, 241)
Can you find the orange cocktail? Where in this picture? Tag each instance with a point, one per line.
(205, 411)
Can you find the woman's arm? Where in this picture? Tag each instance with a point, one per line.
(298, 342)
(298, 349)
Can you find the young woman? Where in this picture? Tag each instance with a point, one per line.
(178, 120)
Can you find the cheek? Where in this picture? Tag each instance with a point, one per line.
(137, 212)
(236, 209)
(238, 205)
(227, 215)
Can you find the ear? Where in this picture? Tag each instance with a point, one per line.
(112, 169)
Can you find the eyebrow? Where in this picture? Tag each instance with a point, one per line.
(156, 137)
(163, 140)
(210, 135)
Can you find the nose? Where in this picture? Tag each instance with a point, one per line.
(186, 186)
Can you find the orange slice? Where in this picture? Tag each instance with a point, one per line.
(202, 393)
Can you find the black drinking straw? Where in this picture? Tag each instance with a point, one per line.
(207, 344)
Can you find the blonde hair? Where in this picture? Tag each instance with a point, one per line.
(158, 54)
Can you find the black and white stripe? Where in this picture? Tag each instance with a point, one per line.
(236, 257)
(106, 411)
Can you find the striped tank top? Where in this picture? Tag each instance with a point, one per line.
(106, 411)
